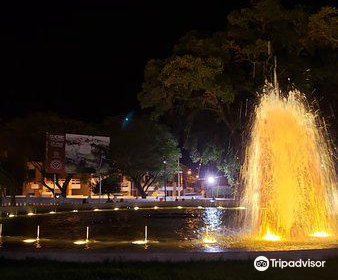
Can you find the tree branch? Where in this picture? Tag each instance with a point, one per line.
(152, 181)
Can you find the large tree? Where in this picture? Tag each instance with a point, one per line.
(206, 87)
(109, 184)
(143, 150)
(23, 139)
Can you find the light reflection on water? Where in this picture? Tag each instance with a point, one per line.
(212, 218)
(174, 229)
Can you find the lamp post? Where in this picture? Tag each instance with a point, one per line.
(165, 179)
(178, 178)
(211, 181)
(100, 176)
(54, 184)
(100, 188)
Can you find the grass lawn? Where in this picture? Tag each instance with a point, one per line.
(50, 270)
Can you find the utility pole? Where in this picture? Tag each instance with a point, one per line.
(100, 177)
(54, 187)
(165, 182)
(178, 178)
(165, 179)
(100, 188)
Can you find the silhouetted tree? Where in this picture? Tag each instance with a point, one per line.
(23, 140)
(109, 185)
(205, 89)
(139, 149)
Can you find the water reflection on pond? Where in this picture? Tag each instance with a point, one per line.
(208, 229)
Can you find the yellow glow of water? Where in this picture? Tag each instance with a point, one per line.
(116, 208)
(75, 210)
(271, 237)
(140, 242)
(30, 214)
(136, 208)
(209, 240)
(11, 215)
(288, 173)
(96, 209)
(81, 242)
(320, 234)
(30, 240)
(52, 212)
(200, 207)
(220, 207)
(155, 207)
(179, 207)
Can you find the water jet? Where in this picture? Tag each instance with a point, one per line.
(32, 240)
(83, 241)
(288, 172)
(145, 241)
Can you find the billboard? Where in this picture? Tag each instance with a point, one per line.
(55, 153)
(77, 153)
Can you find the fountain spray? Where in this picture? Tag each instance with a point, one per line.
(288, 173)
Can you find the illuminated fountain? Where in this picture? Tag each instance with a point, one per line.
(288, 173)
(145, 241)
(208, 238)
(32, 240)
(83, 241)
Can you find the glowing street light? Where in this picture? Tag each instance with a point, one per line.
(211, 180)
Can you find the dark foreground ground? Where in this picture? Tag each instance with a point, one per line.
(50, 270)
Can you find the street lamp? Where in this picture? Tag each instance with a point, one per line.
(211, 180)
(165, 179)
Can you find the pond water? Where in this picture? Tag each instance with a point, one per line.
(207, 229)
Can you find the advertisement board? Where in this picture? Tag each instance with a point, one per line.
(55, 153)
(75, 153)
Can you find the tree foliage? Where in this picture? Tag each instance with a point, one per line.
(206, 87)
(23, 139)
(110, 184)
(139, 149)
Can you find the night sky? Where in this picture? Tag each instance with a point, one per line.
(87, 61)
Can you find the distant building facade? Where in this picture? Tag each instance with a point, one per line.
(80, 186)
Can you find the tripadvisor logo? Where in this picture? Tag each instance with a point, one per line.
(262, 263)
